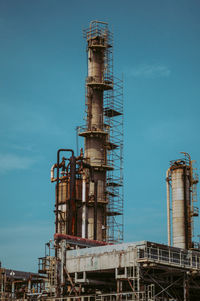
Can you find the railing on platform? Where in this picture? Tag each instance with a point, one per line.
(170, 256)
(125, 296)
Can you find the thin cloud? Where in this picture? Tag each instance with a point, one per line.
(171, 130)
(28, 148)
(10, 162)
(151, 71)
(26, 120)
(28, 240)
(21, 230)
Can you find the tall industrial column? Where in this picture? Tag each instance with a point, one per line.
(99, 79)
(182, 180)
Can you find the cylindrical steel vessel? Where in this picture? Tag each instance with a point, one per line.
(180, 183)
(63, 206)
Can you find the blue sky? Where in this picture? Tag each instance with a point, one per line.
(42, 76)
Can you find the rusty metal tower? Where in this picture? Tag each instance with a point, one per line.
(102, 214)
(181, 185)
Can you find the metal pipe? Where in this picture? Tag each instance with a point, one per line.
(72, 229)
(186, 287)
(13, 289)
(168, 208)
(84, 205)
(186, 208)
(95, 209)
(79, 241)
(52, 173)
(29, 286)
(100, 282)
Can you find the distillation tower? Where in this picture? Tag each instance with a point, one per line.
(181, 189)
(104, 125)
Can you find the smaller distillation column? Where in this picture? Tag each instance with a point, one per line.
(180, 183)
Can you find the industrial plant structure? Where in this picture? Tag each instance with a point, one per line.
(89, 187)
(87, 260)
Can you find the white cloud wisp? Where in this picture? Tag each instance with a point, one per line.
(12, 162)
(150, 71)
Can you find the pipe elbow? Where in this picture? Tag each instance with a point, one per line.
(52, 173)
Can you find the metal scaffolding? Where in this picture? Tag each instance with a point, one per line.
(113, 112)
